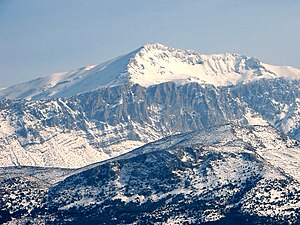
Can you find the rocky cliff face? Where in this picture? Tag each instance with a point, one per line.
(222, 175)
(94, 126)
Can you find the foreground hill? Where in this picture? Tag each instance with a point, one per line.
(221, 175)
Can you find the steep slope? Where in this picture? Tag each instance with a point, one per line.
(290, 119)
(99, 125)
(222, 175)
(95, 126)
(149, 65)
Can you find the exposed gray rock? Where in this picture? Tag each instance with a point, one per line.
(108, 122)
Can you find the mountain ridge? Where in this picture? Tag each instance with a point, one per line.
(149, 65)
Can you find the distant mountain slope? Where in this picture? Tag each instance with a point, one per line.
(222, 175)
(149, 65)
(95, 126)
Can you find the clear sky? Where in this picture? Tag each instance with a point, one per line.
(39, 37)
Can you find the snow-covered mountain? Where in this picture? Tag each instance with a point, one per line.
(207, 163)
(222, 175)
(149, 65)
(143, 96)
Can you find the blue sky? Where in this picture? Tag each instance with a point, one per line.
(39, 37)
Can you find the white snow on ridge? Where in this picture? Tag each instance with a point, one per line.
(287, 72)
(67, 83)
(156, 63)
(149, 65)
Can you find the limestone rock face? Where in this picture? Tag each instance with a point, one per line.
(94, 126)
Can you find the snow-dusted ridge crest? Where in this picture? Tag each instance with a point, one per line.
(149, 65)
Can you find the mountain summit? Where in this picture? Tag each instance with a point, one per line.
(149, 65)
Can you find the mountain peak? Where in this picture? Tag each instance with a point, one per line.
(156, 63)
(155, 45)
(150, 65)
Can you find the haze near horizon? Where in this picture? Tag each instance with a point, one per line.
(41, 37)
